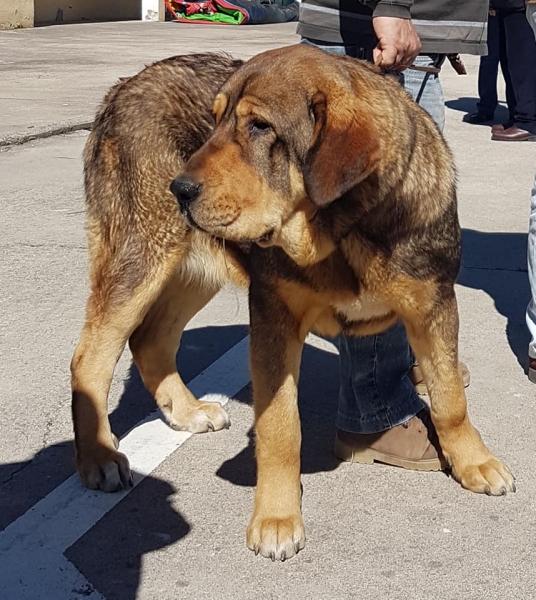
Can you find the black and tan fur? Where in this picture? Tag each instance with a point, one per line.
(336, 195)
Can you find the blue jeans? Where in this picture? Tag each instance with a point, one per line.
(376, 392)
(531, 309)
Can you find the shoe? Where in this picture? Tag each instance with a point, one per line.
(501, 126)
(412, 445)
(512, 134)
(417, 378)
(478, 117)
(532, 369)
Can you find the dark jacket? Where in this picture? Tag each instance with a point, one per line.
(444, 26)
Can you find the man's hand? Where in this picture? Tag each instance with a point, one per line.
(398, 43)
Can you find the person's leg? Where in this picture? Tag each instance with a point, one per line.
(503, 59)
(376, 394)
(531, 308)
(380, 414)
(425, 88)
(488, 71)
(521, 52)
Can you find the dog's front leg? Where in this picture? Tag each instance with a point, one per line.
(433, 334)
(276, 529)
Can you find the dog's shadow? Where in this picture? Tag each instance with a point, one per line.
(494, 263)
(317, 401)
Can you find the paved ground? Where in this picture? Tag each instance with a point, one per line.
(372, 532)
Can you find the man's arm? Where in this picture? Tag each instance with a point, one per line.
(398, 42)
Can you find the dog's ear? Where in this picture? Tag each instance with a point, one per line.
(344, 148)
(219, 106)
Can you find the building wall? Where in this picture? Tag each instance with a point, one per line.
(58, 11)
(16, 13)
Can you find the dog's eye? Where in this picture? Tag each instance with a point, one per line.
(257, 127)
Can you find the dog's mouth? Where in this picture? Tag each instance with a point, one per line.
(187, 215)
(265, 240)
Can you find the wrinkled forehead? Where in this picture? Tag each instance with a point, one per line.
(277, 76)
(263, 85)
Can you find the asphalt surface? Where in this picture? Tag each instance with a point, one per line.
(373, 532)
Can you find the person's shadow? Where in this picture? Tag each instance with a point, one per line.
(468, 106)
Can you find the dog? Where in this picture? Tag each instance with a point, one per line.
(319, 184)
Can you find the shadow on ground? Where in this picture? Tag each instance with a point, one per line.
(145, 521)
(496, 263)
(468, 105)
(111, 553)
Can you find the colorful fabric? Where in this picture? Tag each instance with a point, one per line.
(235, 12)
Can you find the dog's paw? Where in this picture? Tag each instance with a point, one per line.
(490, 477)
(203, 417)
(103, 468)
(276, 538)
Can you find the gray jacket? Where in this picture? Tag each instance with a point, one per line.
(444, 26)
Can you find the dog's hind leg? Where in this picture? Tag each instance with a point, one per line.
(113, 313)
(154, 347)
(433, 335)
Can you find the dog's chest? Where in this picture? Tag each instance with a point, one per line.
(365, 307)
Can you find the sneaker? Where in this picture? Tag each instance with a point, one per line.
(417, 378)
(412, 445)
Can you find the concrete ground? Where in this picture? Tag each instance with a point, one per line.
(373, 532)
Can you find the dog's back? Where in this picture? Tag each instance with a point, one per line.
(146, 128)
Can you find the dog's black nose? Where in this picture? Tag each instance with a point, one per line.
(185, 189)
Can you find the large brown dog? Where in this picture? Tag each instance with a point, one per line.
(336, 194)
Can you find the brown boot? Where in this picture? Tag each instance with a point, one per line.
(412, 445)
(417, 378)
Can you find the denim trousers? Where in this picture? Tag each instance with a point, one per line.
(375, 392)
(531, 258)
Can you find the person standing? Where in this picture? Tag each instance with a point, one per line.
(487, 76)
(381, 416)
(520, 52)
(531, 308)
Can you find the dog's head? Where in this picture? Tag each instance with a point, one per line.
(295, 129)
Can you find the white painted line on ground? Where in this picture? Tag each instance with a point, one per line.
(32, 564)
